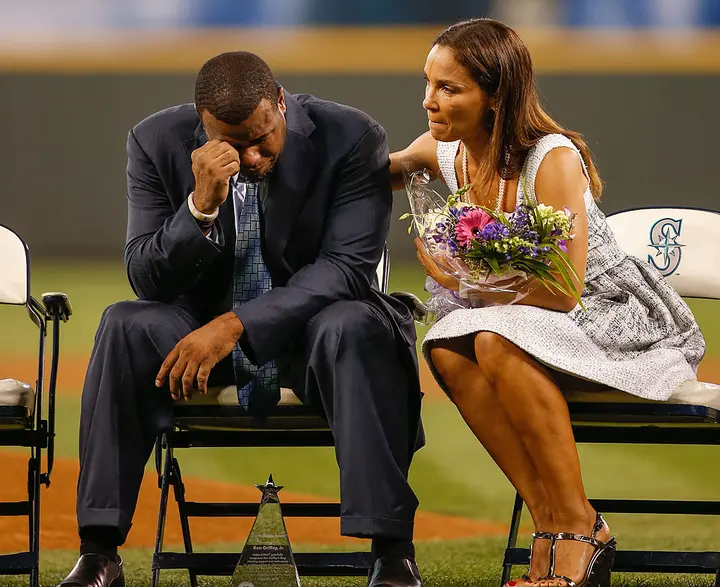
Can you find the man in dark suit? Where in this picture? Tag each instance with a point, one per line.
(256, 220)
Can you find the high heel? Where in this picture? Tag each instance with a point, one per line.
(526, 577)
(597, 573)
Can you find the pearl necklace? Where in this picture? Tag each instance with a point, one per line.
(466, 181)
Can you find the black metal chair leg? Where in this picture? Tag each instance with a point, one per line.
(512, 536)
(162, 513)
(179, 491)
(158, 460)
(34, 517)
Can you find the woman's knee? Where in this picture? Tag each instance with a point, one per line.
(491, 350)
(489, 346)
(452, 366)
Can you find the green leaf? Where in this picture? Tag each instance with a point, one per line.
(566, 259)
(493, 264)
(565, 267)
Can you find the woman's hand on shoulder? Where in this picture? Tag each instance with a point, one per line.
(420, 154)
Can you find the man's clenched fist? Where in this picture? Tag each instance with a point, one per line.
(213, 165)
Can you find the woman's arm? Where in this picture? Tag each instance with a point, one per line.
(420, 154)
(560, 181)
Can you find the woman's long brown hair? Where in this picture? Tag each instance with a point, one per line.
(500, 63)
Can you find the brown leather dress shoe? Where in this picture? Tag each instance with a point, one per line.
(95, 570)
(395, 572)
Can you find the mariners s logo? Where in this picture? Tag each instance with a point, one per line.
(664, 236)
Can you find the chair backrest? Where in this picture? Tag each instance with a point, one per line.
(383, 271)
(682, 243)
(14, 268)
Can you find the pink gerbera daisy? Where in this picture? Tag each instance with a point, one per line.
(470, 224)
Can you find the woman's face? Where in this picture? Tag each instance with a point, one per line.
(455, 104)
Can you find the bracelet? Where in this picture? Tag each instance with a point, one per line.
(200, 216)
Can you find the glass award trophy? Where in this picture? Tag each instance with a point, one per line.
(267, 559)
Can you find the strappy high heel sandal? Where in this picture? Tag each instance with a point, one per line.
(598, 570)
(526, 577)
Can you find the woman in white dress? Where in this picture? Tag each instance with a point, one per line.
(504, 365)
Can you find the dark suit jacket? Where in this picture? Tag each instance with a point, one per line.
(326, 222)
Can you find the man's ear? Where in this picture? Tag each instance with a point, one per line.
(281, 100)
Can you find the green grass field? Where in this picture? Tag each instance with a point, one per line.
(451, 475)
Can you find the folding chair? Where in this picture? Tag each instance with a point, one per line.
(22, 422)
(226, 424)
(684, 244)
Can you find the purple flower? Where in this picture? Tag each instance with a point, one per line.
(520, 219)
(494, 232)
(563, 246)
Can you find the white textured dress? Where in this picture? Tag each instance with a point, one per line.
(636, 335)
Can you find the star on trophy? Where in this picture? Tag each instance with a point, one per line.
(267, 559)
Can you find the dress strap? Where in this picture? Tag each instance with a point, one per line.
(446, 153)
(526, 183)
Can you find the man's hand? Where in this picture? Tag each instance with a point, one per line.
(213, 165)
(195, 355)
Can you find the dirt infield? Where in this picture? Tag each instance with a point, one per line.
(59, 526)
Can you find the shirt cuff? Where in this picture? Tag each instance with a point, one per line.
(200, 216)
(208, 227)
(213, 235)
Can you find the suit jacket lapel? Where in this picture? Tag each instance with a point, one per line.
(288, 183)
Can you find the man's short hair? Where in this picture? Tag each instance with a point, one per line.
(230, 86)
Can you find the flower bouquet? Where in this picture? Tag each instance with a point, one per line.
(489, 251)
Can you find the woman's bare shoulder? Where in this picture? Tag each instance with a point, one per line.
(560, 177)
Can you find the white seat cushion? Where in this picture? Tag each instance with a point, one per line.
(15, 393)
(227, 396)
(695, 393)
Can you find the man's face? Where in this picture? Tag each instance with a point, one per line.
(259, 139)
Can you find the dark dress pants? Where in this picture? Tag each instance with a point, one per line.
(349, 364)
